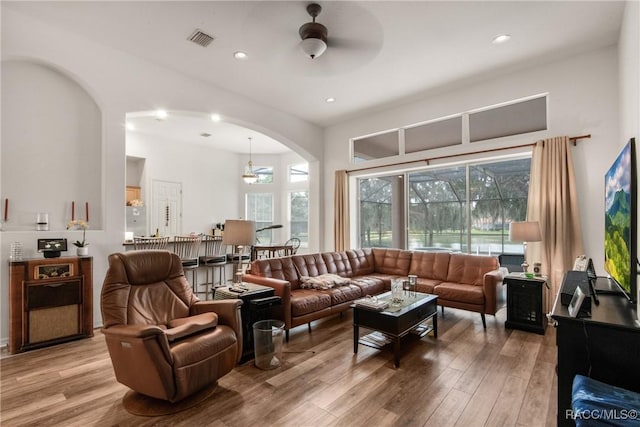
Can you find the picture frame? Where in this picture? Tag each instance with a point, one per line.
(576, 302)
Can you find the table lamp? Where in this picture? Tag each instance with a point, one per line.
(525, 232)
(239, 234)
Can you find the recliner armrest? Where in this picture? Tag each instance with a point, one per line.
(133, 331)
(186, 326)
(228, 311)
(124, 333)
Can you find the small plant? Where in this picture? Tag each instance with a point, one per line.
(78, 224)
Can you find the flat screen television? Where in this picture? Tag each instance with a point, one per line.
(620, 219)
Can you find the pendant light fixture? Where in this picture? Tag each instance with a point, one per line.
(249, 175)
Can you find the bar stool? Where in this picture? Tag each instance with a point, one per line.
(214, 258)
(143, 243)
(188, 248)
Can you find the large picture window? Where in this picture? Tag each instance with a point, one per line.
(464, 208)
(299, 216)
(259, 208)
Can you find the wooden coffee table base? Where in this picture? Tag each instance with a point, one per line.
(390, 326)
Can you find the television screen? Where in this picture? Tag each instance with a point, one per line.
(621, 220)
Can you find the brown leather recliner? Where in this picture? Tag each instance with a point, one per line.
(163, 341)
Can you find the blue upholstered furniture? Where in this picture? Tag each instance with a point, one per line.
(595, 403)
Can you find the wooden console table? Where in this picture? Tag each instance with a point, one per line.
(50, 301)
(604, 347)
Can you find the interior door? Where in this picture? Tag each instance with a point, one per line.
(166, 208)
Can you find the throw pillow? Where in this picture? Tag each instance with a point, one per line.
(323, 281)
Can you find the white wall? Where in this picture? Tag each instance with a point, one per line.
(51, 147)
(209, 178)
(583, 99)
(120, 83)
(629, 74)
(629, 58)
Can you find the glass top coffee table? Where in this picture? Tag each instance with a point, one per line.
(395, 321)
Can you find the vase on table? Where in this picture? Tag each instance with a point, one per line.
(82, 250)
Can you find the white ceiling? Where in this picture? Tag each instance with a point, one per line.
(190, 127)
(380, 52)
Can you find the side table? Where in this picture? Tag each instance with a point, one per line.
(257, 302)
(525, 298)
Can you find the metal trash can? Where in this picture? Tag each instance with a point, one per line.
(268, 336)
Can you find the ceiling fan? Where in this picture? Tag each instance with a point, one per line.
(313, 34)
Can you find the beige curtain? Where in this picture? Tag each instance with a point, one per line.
(341, 211)
(553, 202)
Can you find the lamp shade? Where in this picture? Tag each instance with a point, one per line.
(239, 232)
(525, 231)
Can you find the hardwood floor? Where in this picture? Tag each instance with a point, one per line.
(467, 377)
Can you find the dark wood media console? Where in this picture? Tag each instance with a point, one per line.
(50, 301)
(604, 347)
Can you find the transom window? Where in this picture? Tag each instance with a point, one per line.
(516, 117)
(265, 174)
(299, 172)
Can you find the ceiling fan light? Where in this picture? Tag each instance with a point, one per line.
(313, 47)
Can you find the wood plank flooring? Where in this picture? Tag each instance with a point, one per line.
(466, 377)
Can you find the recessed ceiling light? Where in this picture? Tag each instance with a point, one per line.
(216, 117)
(240, 55)
(161, 115)
(502, 38)
(330, 100)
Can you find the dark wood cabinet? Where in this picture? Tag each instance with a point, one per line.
(257, 304)
(525, 299)
(50, 301)
(604, 346)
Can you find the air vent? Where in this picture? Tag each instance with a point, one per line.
(205, 135)
(198, 37)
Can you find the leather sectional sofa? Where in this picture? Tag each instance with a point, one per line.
(468, 282)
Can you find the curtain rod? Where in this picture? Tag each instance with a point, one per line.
(573, 139)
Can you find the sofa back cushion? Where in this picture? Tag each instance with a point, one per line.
(310, 265)
(277, 268)
(361, 261)
(338, 263)
(470, 269)
(392, 261)
(430, 265)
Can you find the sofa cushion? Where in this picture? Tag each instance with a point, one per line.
(338, 263)
(361, 261)
(343, 294)
(470, 294)
(305, 301)
(323, 281)
(470, 269)
(426, 286)
(430, 265)
(392, 261)
(369, 285)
